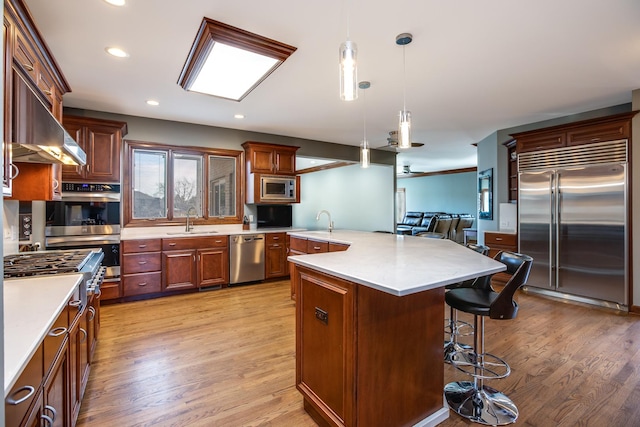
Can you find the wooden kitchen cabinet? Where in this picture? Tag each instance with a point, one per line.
(276, 255)
(101, 140)
(37, 181)
(270, 158)
(78, 360)
(16, 409)
(140, 267)
(195, 262)
(26, 53)
(497, 242)
(360, 358)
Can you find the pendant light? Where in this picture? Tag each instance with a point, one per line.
(348, 68)
(404, 122)
(365, 152)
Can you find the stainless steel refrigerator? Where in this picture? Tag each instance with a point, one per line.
(573, 220)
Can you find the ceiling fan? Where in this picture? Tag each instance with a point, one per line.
(406, 171)
(392, 142)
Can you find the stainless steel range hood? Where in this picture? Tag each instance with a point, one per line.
(37, 136)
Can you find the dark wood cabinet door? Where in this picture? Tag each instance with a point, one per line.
(103, 154)
(56, 397)
(276, 260)
(262, 160)
(179, 270)
(543, 141)
(213, 267)
(285, 161)
(325, 310)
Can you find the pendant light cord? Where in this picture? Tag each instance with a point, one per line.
(404, 78)
(364, 96)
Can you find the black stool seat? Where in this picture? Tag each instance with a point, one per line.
(471, 300)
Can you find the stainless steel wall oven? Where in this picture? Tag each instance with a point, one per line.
(88, 216)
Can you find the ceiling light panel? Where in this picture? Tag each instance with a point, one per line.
(228, 62)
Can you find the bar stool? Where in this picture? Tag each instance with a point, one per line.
(454, 327)
(474, 400)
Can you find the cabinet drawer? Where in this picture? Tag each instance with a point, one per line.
(195, 243)
(298, 244)
(110, 290)
(540, 142)
(503, 240)
(145, 245)
(599, 133)
(142, 283)
(276, 238)
(141, 263)
(337, 247)
(54, 340)
(316, 247)
(15, 407)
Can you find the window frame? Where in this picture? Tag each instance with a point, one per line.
(172, 150)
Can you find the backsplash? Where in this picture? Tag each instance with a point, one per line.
(10, 227)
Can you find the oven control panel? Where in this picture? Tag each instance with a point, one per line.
(73, 187)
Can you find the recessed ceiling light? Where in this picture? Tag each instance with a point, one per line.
(117, 52)
(239, 116)
(116, 2)
(152, 102)
(229, 62)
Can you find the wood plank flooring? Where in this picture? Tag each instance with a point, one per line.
(227, 358)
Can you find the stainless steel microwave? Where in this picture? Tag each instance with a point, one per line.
(278, 188)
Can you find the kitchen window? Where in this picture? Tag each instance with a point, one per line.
(165, 183)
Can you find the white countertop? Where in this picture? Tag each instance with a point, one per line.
(396, 264)
(30, 308)
(172, 231)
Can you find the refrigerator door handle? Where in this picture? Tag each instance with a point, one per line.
(553, 211)
(556, 213)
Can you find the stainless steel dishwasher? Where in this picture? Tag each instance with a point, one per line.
(246, 258)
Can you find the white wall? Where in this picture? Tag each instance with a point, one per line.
(358, 199)
(452, 193)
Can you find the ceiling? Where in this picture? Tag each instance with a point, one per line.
(473, 67)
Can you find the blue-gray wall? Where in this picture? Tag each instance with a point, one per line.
(453, 193)
(358, 199)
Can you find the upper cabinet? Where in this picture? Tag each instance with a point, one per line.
(26, 56)
(270, 158)
(590, 131)
(102, 141)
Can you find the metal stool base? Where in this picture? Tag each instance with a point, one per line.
(485, 406)
(451, 347)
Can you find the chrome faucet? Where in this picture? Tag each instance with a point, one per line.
(329, 215)
(189, 225)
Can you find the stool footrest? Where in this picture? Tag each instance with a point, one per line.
(460, 328)
(485, 406)
(485, 366)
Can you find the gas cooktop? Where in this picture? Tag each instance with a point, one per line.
(45, 262)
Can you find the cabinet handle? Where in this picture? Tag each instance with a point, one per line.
(172, 244)
(88, 168)
(276, 238)
(142, 284)
(11, 399)
(199, 257)
(75, 303)
(142, 262)
(275, 245)
(56, 332)
(15, 169)
(99, 294)
(85, 335)
(56, 184)
(92, 311)
(498, 239)
(218, 241)
(53, 412)
(28, 67)
(316, 248)
(142, 246)
(47, 419)
(194, 258)
(47, 92)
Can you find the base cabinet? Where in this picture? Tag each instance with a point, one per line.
(195, 262)
(497, 242)
(276, 255)
(141, 265)
(365, 357)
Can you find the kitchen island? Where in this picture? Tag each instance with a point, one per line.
(369, 326)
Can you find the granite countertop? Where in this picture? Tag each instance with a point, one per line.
(31, 306)
(174, 231)
(396, 264)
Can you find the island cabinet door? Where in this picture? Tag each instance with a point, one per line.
(325, 343)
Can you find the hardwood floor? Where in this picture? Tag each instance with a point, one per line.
(226, 358)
